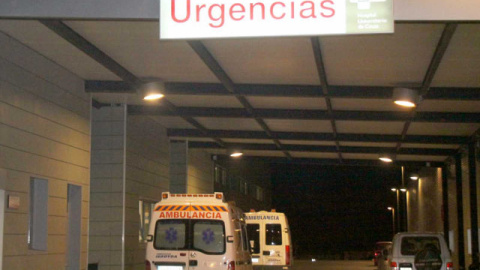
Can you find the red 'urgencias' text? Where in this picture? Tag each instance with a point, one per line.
(218, 14)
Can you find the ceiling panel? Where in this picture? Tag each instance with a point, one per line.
(310, 103)
(204, 101)
(437, 146)
(361, 156)
(449, 106)
(259, 141)
(446, 129)
(136, 46)
(368, 144)
(460, 65)
(370, 127)
(352, 104)
(299, 125)
(172, 122)
(381, 60)
(421, 158)
(266, 60)
(229, 123)
(313, 155)
(286, 142)
(41, 39)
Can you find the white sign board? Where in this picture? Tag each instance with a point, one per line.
(198, 19)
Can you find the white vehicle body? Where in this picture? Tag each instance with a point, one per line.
(197, 232)
(270, 241)
(410, 252)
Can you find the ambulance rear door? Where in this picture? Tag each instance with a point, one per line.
(208, 237)
(171, 238)
(274, 244)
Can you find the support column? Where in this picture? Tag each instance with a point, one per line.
(178, 166)
(472, 176)
(460, 234)
(446, 219)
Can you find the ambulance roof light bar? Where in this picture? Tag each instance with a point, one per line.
(217, 195)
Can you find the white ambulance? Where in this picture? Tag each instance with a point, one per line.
(270, 240)
(197, 232)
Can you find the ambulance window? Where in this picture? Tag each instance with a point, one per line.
(170, 234)
(273, 234)
(209, 236)
(253, 231)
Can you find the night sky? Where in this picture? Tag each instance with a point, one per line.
(332, 209)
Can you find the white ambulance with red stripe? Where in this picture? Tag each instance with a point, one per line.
(270, 240)
(197, 232)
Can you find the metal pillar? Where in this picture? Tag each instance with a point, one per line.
(460, 234)
(446, 225)
(472, 176)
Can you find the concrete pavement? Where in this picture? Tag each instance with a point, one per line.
(333, 265)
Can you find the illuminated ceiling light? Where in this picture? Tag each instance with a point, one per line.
(390, 208)
(385, 158)
(414, 176)
(152, 90)
(393, 189)
(236, 153)
(406, 97)
(403, 189)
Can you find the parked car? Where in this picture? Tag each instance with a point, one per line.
(379, 247)
(382, 262)
(420, 251)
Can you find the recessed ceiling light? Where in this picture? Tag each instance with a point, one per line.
(405, 97)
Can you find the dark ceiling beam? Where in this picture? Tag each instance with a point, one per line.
(91, 50)
(440, 50)
(282, 90)
(310, 136)
(440, 117)
(326, 148)
(346, 162)
(227, 82)
(102, 58)
(322, 75)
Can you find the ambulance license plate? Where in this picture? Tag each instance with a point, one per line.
(405, 268)
(254, 260)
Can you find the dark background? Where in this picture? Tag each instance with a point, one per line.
(335, 209)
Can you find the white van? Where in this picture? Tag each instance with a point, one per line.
(197, 232)
(270, 240)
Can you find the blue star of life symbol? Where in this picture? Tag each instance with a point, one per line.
(208, 236)
(171, 235)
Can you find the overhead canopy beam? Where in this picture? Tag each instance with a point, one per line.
(306, 136)
(102, 58)
(346, 162)
(439, 117)
(440, 50)
(326, 149)
(322, 76)
(282, 90)
(227, 82)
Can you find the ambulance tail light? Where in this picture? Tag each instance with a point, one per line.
(393, 266)
(449, 265)
(231, 265)
(147, 265)
(287, 255)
